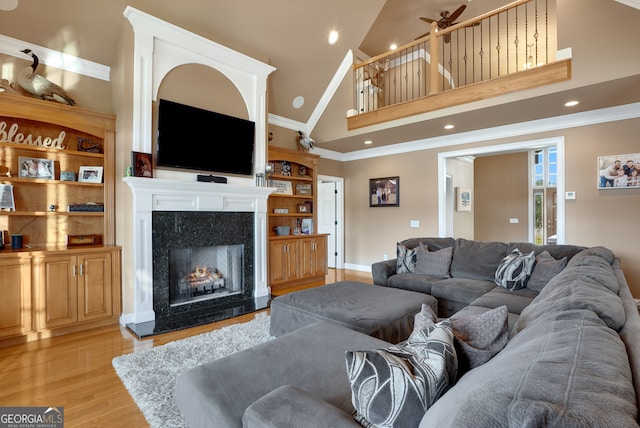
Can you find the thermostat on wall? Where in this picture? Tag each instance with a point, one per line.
(570, 195)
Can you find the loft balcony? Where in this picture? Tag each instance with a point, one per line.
(509, 49)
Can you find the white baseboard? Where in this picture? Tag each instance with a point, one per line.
(361, 268)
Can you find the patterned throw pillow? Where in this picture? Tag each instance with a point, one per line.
(434, 263)
(477, 337)
(546, 267)
(406, 259)
(394, 387)
(514, 270)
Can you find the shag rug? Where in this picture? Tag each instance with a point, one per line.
(150, 374)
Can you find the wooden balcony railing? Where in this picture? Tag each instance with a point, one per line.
(511, 48)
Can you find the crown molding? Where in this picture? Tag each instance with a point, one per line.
(631, 3)
(593, 117)
(63, 61)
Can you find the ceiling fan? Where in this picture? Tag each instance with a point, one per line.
(446, 20)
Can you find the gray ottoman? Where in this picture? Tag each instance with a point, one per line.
(382, 312)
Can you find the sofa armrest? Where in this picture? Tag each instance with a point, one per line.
(289, 406)
(381, 271)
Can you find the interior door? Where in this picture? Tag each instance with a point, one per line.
(327, 218)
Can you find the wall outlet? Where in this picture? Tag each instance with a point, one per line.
(414, 223)
(385, 257)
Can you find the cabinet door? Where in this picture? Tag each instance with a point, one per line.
(95, 283)
(313, 258)
(15, 304)
(283, 256)
(58, 292)
(320, 256)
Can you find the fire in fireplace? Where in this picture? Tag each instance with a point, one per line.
(205, 273)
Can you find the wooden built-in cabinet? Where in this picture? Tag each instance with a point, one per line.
(67, 275)
(300, 257)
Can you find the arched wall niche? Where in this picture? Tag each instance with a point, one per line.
(160, 47)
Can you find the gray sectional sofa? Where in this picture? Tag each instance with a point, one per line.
(572, 359)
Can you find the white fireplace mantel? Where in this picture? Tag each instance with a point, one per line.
(152, 194)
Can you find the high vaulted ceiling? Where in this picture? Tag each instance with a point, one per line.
(292, 36)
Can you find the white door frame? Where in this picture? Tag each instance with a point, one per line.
(339, 216)
(498, 149)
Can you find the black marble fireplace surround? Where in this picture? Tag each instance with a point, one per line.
(185, 229)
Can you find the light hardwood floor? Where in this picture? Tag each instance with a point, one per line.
(75, 372)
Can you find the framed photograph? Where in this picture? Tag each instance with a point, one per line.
(463, 199)
(283, 187)
(384, 192)
(306, 226)
(90, 174)
(141, 164)
(619, 171)
(303, 189)
(6, 197)
(36, 168)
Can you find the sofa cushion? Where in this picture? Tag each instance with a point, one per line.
(433, 243)
(461, 290)
(515, 300)
(405, 258)
(545, 269)
(434, 263)
(413, 282)
(290, 406)
(476, 259)
(588, 282)
(477, 337)
(393, 387)
(514, 270)
(568, 370)
(556, 251)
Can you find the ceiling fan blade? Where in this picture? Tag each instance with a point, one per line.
(456, 14)
(429, 20)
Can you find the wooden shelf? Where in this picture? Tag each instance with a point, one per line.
(56, 152)
(49, 182)
(52, 213)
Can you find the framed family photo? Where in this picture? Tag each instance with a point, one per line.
(90, 174)
(142, 164)
(36, 168)
(619, 171)
(384, 192)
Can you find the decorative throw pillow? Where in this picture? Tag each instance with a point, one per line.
(477, 337)
(514, 270)
(394, 387)
(406, 259)
(546, 267)
(435, 263)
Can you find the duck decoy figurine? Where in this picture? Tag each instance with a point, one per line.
(305, 143)
(40, 86)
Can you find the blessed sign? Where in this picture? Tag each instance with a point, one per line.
(11, 134)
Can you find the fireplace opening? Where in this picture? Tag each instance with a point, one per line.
(201, 273)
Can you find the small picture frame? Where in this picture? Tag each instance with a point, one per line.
(7, 202)
(90, 174)
(142, 164)
(463, 199)
(36, 168)
(303, 208)
(384, 192)
(303, 189)
(283, 187)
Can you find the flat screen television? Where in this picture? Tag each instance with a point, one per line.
(203, 140)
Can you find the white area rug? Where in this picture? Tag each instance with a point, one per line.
(150, 375)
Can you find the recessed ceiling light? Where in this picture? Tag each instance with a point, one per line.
(393, 46)
(333, 37)
(298, 101)
(368, 142)
(449, 126)
(571, 103)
